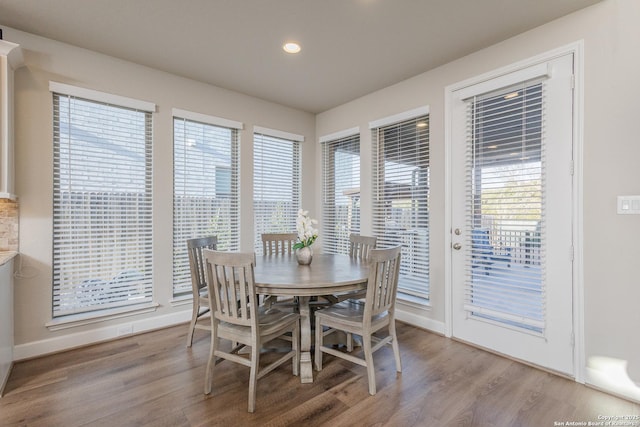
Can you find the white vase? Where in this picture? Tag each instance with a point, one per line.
(304, 255)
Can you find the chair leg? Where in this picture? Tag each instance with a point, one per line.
(295, 344)
(318, 353)
(253, 376)
(208, 378)
(368, 357)
(192, 324)
(349, 342)
(394, 344)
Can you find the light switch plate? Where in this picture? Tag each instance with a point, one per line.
(629, 205)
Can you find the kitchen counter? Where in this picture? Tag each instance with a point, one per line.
(6, 256)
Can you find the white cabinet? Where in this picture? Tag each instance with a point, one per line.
(10, 59)
(6, 322)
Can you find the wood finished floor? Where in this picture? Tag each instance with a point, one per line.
(153, 379)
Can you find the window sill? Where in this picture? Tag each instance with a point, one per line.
(413, 301)
(75, 320)
(181, 300)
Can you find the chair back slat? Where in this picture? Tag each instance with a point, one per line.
(231, 282)
(245, 280)
(360, 246)
(196, 261)
(278, 243)
(382, 286)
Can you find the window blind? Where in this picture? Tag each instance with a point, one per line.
(505, 206)
(205, 191)
(102, 206)
(340, 193)
(276, 185)
(401, 198)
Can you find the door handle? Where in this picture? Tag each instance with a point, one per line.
(457, 246)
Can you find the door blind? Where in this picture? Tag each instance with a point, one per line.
(102, 206)
(505, 206)
(340, 193)
(205, 184)
(276, 185)
(401, 198)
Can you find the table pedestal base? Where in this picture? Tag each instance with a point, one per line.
(306, 370)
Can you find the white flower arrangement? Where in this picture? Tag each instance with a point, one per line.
(307, 233)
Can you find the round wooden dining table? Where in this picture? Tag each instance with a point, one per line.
(326, 275)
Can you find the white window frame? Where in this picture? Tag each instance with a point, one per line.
(68, 261)
(195, 188)
(414, 265)
(335, 237)
(274, 175)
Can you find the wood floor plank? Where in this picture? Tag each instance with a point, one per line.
(154, 380)
(316, 411)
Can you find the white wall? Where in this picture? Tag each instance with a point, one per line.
(611, 152)
(49, 60)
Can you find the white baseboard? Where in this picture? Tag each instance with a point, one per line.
(419, 321)
(79, 339)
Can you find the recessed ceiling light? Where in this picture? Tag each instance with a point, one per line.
(291, 47)
(511, 95)
(421, 124)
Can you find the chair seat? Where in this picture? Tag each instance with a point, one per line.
(270, 321)
(350, 315)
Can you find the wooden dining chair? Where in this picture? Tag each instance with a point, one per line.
(198, 282)
(278, 243)
(359, 247)
(237, 317)
(378, 312)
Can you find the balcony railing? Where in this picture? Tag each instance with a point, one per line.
(522, 247)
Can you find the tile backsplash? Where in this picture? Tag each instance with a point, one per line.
(8, 225)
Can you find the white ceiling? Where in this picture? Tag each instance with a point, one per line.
(349, 47)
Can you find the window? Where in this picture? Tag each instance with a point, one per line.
(340, 192)
(276, 184)
(505, 205)
(401, 197)
(102, 210)
(205, 189)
